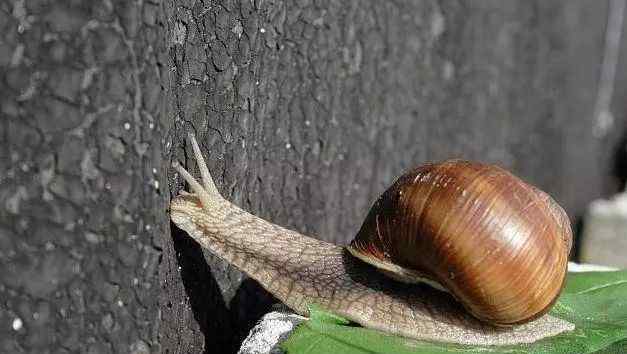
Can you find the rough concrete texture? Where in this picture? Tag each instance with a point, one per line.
(82, 186)
(308, 110)
(604, 238)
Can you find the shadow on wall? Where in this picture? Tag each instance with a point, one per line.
(203, 292)
(223, 327)
(577, 225)
(619, 170)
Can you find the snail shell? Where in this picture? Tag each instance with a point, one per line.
(497, 244)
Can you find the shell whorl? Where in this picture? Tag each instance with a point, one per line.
(497, 244)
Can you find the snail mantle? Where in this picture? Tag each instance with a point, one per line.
(493, 249)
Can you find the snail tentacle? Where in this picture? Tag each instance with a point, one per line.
(207, 181)
(206, 199)
(207, 192)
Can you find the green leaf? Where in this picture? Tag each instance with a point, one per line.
(578, 282)
(596, 302)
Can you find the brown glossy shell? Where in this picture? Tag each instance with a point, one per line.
(498, 244)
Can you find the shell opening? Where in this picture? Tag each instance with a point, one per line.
(396, 272)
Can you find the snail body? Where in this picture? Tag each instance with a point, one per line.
(301, 271)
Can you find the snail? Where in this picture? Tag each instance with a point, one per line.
(457, 251)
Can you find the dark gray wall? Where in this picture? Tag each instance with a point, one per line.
(306, 110)
(81, 216)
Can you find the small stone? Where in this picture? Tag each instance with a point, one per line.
(17, 324)
(268, 334)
